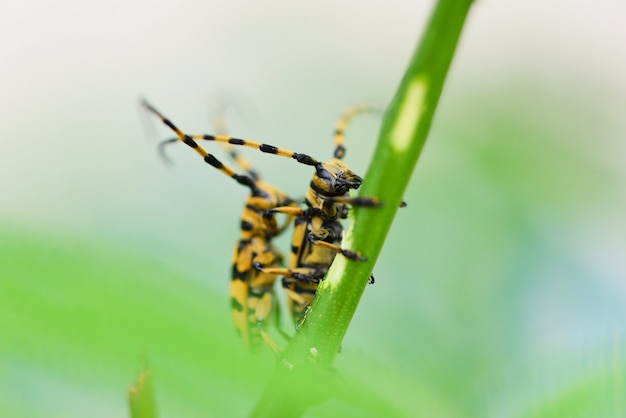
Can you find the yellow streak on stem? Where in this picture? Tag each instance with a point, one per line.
(411, 111)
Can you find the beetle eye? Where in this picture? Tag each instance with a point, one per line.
(260, 193)
(323, 174)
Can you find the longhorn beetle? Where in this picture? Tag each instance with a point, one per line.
(317, 229)
(251, 289)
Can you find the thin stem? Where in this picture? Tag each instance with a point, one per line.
(405, 127)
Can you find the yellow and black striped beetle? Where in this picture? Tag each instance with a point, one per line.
(317, 229)
(251, 290)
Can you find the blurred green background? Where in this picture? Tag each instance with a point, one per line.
(501, 289)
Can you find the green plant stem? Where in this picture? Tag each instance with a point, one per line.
(303, 371)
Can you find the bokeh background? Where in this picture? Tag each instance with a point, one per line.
(500, 292)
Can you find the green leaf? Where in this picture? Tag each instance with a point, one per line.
(141, 396)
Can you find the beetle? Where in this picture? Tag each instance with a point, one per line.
(317, 232)
(251, 289)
